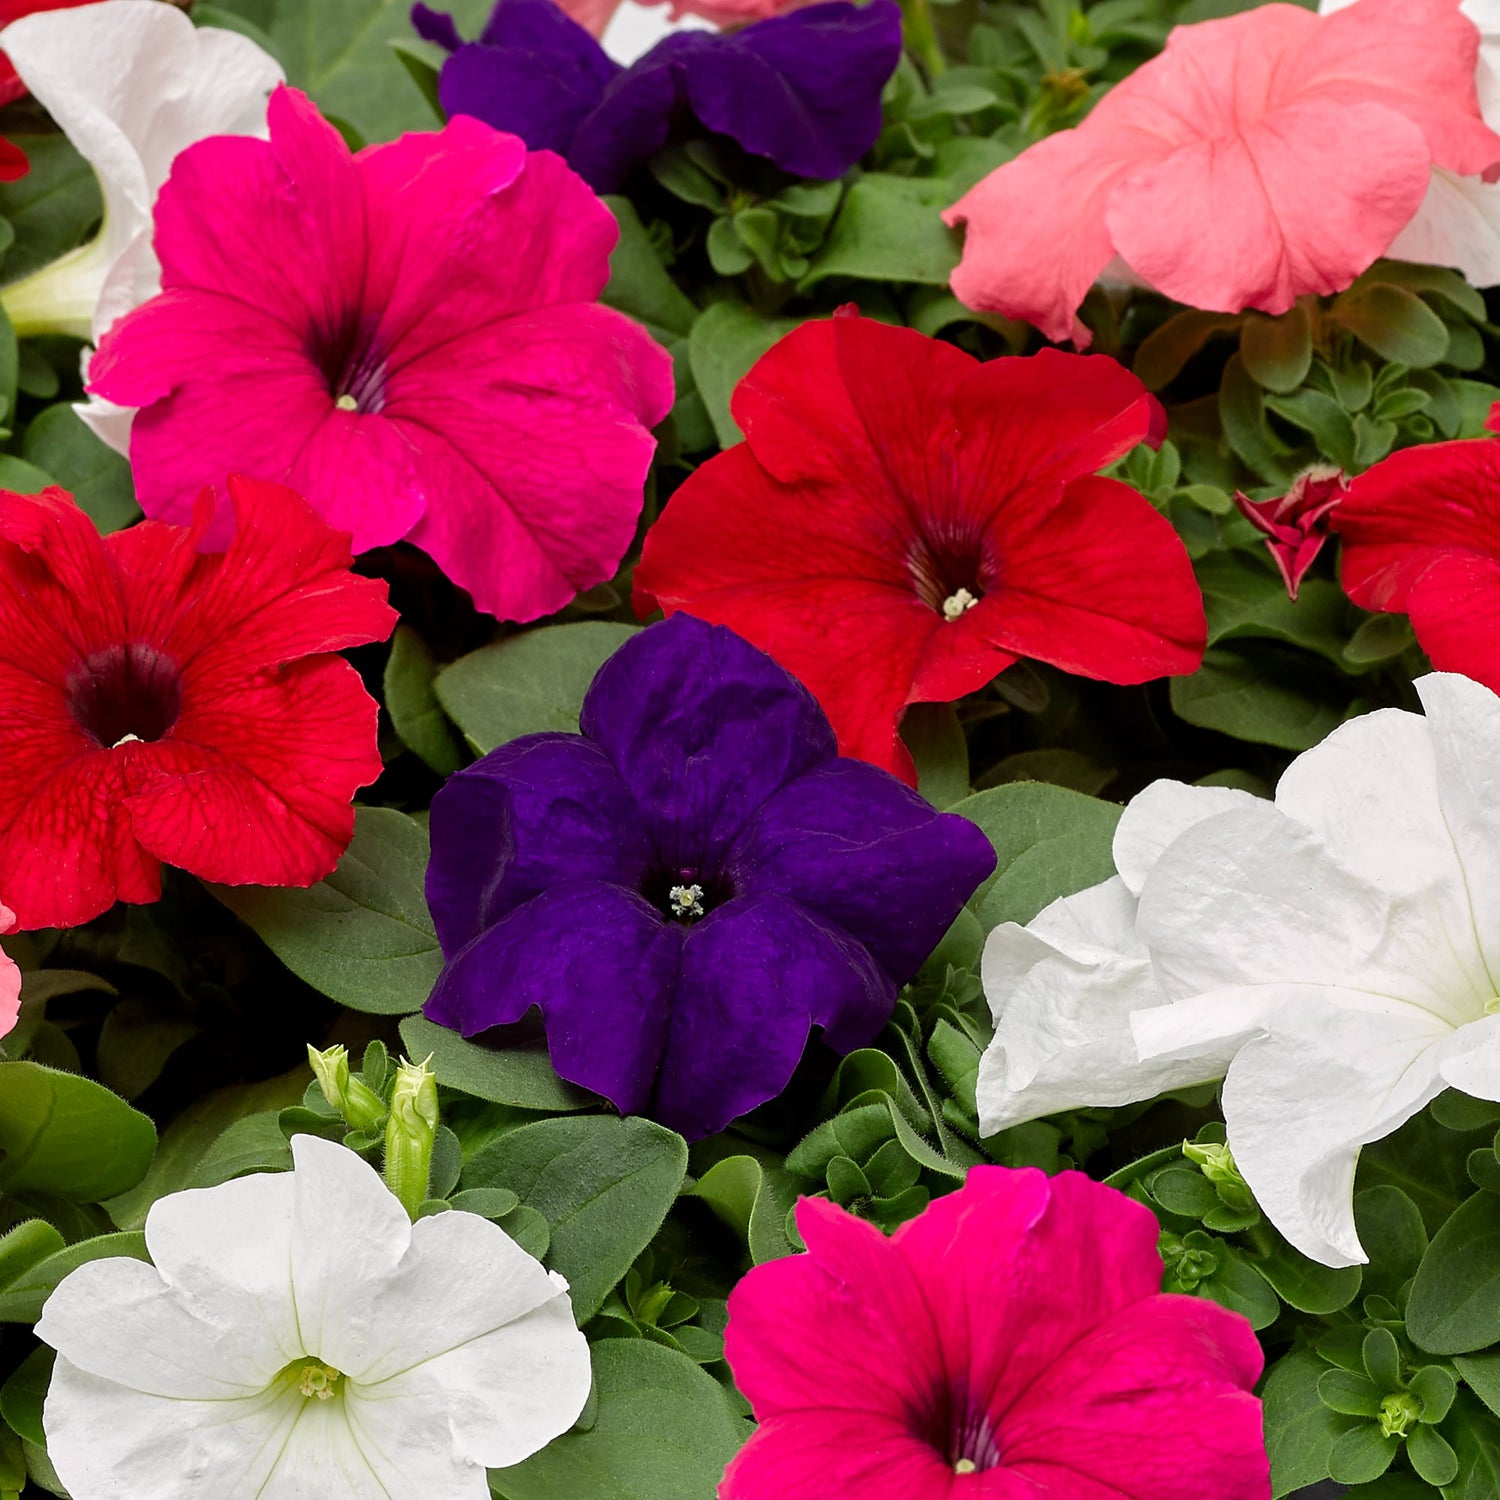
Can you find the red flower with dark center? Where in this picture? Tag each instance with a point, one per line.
(1420, 535)
(165, 704)
(902, 523)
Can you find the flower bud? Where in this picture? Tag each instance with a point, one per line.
(361, 1107)
(410, 1132)
(1296, 524)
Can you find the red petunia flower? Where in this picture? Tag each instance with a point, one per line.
(1011, 1342)
(1296, 524)
(902, 523)
(164, 704)
(1420, 535)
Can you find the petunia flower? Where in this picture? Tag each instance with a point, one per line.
(902, 523)
(131, 83)
(10, 978)
(410, 338)
(11, 85)
(168, 704)
(1296, 524)
(601, 17)
(1012, 1339)
(1258, 158)
(297, 1335)
(802, 89)
(1419, 534)
(690, 885)
(1336, 950)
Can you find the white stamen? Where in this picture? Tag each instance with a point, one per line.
(966, 1466)
(320, 1381)
(956, 604)
(687, 900)
(126, 739)
(346, 402)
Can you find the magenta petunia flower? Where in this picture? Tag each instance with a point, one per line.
(1010, 1342)
(407, 336)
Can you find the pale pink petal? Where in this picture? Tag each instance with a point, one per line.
(10, 978)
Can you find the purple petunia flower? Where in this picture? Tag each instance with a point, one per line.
(691, 884)
(802, 89)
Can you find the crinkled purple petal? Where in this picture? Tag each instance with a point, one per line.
(850, 842)
(535, 73)
(436, 26)
(599, 963)
(756, 976)
(703, 728)
(630, 123)
(545, 810)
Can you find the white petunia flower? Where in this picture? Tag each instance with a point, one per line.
(1339, 948)
(131, 83)
(299, 1338)
(1458, 224)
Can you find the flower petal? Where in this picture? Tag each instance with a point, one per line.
(1457, 225)
(1154, 818)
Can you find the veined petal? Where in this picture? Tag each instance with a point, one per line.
(1157, 816)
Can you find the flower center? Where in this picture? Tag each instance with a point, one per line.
(353, 364)
(686, 900)
(683, 894)
(950, 571)
(959, 1428)
(957, 604)
(125, 693)
(319, 1382)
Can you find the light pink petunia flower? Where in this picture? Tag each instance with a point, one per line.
(1260, 157)
(1012, 1340)
(409, 337)
(10, 979)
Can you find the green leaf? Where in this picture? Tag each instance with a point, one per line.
(25, 1246)
(96, 476)
(726, 340)
(1475, 1437)
(1300, 1430)
(68, 1136)
(663, 1430)
(753, 1199)
(528, 683)
(415, 712)
(1163, 353)
(639, 285)
(23, 1394)
(1267, 695)
(890, 229)
(1049, 842)
(1431, 1456)
(1481, 1373)
(1361, 1454)
(423, 62)
(338, 51)
(51, 208)
(521, 1076)
(363, 936)
(936, 740)
(1455, 1296)
(603, 1184)
(1278, 351)
(1246, 599)
(1394, 322)
(1305, 1285)
(1349, 1394)
(21, 1301)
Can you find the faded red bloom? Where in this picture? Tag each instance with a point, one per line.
(902, 523)
(164, 704)
(1296, 525)
(1420, 534)
(1012, 1342)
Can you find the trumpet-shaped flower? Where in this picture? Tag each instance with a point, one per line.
(1419, 534)
(410, 338)
(297, 1335)
(131, 83)
(1259, 157)
(167, 704)
(902, 523)
(803, 90)
(689, 886)
(1012, 1340)
(1337, 951)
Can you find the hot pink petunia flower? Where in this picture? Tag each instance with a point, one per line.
(10, 979)
(166, 704)
(410, 338)
(1009, 1342)
(1259, 157)
(902, 523)
(1419, 534)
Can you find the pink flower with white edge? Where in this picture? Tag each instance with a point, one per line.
(1258, 158)
(1011, 1340)
(410, 338)
(10, 979)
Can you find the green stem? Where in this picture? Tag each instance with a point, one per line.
(921, 37)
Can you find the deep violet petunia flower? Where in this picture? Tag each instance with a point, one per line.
(1012, 1340)
(802, 89)
(1259, 157)
(1419, 534)
(410, 338)
(689, 885)
(165, 704)
(902, 523)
